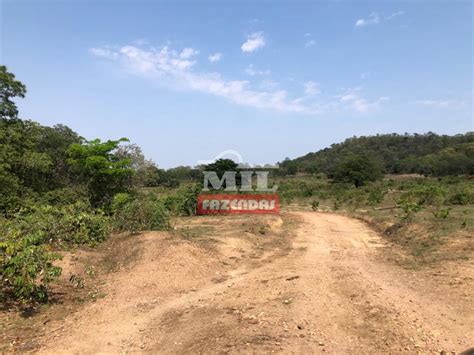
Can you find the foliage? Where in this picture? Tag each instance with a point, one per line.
(426, 154)
(9, 88)
(100, 169)
(356, 169)
(24, 258)
(138, 213)
(425, 194)
(61, 225)
(442, 213)
(184, 201)
(408, 208)
(27, 241)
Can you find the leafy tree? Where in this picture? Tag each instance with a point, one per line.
(9, 88)
(220, 166)
(144, 170)
(357, 169)
(103, 173)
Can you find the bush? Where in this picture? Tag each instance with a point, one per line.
(139, 213)
(73, 224)
(22, 259)
(427, 194)
(184, 202)
(461, 198)
(26, 241)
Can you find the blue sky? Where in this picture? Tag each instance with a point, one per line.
(187, 80)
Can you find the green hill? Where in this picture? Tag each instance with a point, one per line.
(427, 154)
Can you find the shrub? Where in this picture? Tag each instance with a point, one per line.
(139, 213)
(427, 194)
(24, 257)
(442, 213)
(315, 205)
(26, 242)
(184, 202)
(376, 195)
(73, 224)
(408, 208)
(461, 198)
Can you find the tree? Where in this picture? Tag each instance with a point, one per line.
(357, 169)
(145, 171)
(9, 88)
(103, 173)
(220, 166)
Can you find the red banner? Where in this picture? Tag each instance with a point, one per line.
(238, 204)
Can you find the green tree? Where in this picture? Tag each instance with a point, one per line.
(9, 88)
(357, 169)
(100, 170)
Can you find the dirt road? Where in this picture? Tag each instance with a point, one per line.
(315, 284)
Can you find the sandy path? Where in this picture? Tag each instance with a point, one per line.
(330, 293)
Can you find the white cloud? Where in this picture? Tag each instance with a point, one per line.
(311, 88)
(310, 43)
(356, 101)
(446, 103)
(254, 41)
(215, 57)
(373, 19)
(252, 71)
(103, 52)
(187, 53)
(395, 14)
(168, 68)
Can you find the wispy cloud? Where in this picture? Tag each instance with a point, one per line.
(442, 103)
(395, 14)
(176, 70)
(254, 41)
(252, 71)
(215, 57)
(373, 19)
(353, 98)
(187, 53)
(310, 43)
(311, 88)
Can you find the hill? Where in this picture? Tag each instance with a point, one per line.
(427, 154)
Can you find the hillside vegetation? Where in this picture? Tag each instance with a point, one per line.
(427, 154)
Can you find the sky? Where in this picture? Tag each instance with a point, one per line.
(187, 80)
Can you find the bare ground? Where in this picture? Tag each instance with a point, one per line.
(310, 282)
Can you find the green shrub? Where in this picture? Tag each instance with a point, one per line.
(376, 195)
(461, 198)
(139, 213)
(315, 205)
(426, 194)
(27, 239)
(72, 224)
(442, 213)
(26, 264)
(184, 201)
(408, 208)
